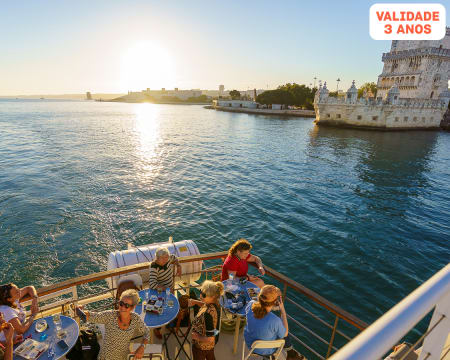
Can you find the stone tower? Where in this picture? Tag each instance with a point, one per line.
(421, 69)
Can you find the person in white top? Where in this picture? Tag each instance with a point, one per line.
(13, 311)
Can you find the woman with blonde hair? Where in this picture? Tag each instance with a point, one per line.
(120, 327)
(205, 327)
(237, 261)
(262, 324)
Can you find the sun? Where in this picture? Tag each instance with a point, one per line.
(147, 65)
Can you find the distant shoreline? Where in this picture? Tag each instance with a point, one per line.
(161, 102)
(269, 112)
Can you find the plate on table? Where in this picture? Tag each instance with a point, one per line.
(253, 293)
(154, 306)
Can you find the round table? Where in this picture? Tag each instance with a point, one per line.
(68, 324)
(153, 320)
(236, 287)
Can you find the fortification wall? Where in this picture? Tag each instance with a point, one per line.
(384, 116)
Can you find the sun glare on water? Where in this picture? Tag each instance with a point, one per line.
(147, 65)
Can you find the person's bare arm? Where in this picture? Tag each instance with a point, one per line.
(258, 262)
(9, 335)
(19, 327)
(283, 317)
(201, 338)
(176, 263)
(193, 302)
(28, 290)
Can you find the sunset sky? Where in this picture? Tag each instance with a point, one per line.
(55, 47)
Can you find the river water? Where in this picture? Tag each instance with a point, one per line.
(360, 217)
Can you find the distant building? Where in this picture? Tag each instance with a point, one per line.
(160, 95)
(236, 104)
(250, 94)
(221, 90)
(88, 95)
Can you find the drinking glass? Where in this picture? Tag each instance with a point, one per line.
(61, 333)
(51, 347)
(167, 298)
(57, 319)
(41, 325)
(231, 277)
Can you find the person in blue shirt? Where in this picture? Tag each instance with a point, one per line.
(262, 324)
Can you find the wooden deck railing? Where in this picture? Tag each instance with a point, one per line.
(60, 288)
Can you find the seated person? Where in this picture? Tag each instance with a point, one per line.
(262, 324)
(162, 273)
(13, 311)
(162, 270)
(237, 262)
(6, 348)
(205, 326)
(121, 326)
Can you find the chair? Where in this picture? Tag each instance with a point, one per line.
(264, 344)
(152, 351)
(182, 320)
(133, 281)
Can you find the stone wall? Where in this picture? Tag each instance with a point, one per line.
(376, 116)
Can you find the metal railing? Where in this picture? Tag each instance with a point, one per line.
(69, 287)
(379, 338)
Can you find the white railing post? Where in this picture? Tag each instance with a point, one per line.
(435, 341)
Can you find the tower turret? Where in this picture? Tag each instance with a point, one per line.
(393, 95)
(352, 94)
(323, 92)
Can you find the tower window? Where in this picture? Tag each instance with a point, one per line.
(338, 116)
(328, 115)
(405, 119)
(374, 118)
(415, 118)
(397, 119)
(359, 117)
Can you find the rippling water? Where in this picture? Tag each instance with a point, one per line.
(360, 217)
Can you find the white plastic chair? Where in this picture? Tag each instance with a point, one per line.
(264, 344)
(151, 351)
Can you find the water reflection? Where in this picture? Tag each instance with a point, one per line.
(387, 165)
(147, 129)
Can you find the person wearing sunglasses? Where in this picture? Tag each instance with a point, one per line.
(205, 326)
(237, 261)
(6, 347)
(13, 311)
(262, 324)
(121, 326)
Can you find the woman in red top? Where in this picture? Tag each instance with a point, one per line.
(237, 262)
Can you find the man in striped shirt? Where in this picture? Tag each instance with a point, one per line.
(162, 270)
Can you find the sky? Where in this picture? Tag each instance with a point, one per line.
(66, 47)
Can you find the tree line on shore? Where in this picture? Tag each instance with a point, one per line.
(298, 95)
